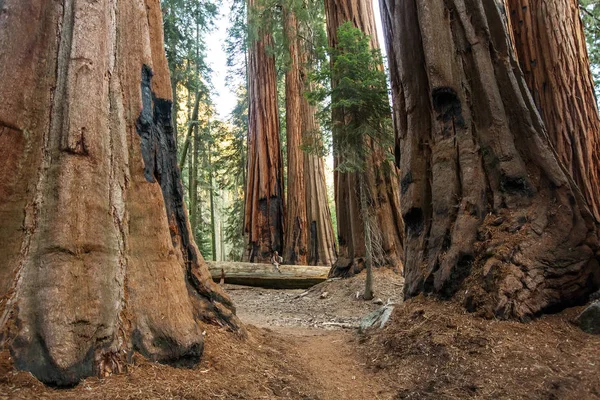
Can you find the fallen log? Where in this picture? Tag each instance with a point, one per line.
(266, 276)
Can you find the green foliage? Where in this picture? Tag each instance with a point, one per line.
(268, 17)
(590, 15)
(359, 102)
(185, 24)
(232, 175)
(236, 44)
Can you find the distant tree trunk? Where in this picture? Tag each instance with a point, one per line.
(211, 192)
(382, 178)
(192, 122)
(264, 213)
(552, 53)
(369, 227)
(194, 182)
(97, 260)
(321, 236)
(296, 235)
(491, 216)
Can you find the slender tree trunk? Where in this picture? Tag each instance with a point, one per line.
(194, 183)
(192, 122)
(382, 177)
(365, 197)
(97, 256)
(221, 237)
(296, 235)
(552, 53)
(211, 192)
(321, 236)
(491, 216)
(264, 209)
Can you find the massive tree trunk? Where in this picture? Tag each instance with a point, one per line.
(380, 177)
(552, 53)
(321, 236)
(488, 208)
(97, 260)
(263, 225)
(296, 235)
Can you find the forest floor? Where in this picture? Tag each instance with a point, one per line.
(302, 345)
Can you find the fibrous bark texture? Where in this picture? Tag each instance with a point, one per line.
(487, 206)
(552, 53)
(321, 237)
(264, 208)
(380, 177)
(296, 234)
(97, 256)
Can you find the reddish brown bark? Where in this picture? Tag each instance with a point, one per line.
(491, 216)
(381, 177)
(296, 234)
(264, 209)
(552, 53)
(321, 236)
(321, 240)
(98, 260)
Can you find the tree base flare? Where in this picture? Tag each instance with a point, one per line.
(100, 262)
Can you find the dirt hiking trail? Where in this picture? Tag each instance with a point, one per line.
(303, 345)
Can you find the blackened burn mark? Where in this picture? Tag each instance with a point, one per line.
(459, 273)
(272, 209)
(35, 357)
(448, 108)
(314, 244)
(515, 185)
(406, 181)
(413, 222)
(159, 151)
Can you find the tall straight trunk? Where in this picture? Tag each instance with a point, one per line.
(192, 122)
(221, 239)
(381, 177)
(368, 222)
(211, 193)
(552, 53)
(98, 260)
(296, 234)
(194, 182)
(491, 216)
(264, 207)
(321, 236)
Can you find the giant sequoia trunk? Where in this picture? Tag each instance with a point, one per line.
(97, 260)
(321, 237)
(487, 205)
(309, 230)
(264, 189)
(380, 178)
(296, 235)
(552, 53)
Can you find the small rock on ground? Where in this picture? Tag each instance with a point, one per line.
(589, 319)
